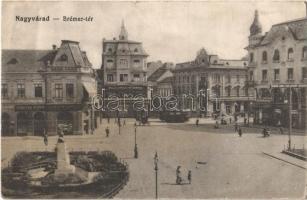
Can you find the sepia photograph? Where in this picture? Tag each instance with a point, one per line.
(154, 99)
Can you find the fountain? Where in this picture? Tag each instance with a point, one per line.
(64, 174)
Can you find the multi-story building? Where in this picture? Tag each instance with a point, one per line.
(125, 69)
(160, 80)
(43, 90)
(278, 62)
(223, 82)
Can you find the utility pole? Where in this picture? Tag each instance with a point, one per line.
(156, 170)
(135, 145)
(290, 117)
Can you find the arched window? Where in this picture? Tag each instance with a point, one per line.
(290, 54)
(276, 56)
(264, 56)
(304, 53)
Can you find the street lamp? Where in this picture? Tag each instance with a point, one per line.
(135, 145)
(156, 170)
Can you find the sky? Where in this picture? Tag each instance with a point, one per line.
(171, 31)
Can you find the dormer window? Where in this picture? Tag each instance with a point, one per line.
(63, 57)
(13, 61)
(276, 56)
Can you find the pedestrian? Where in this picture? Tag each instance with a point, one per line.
(124, 122)
(178, 175)
(245, 120)
(107, 131)
(240, 132)
(216, 124)
(281, 130)
(45, 138)
(190, 176)
(197, 122)
(236, 126)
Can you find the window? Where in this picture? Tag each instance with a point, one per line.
(21, 90)
(136, 77)
(110, 78)
(251, 75)
(63, 57)
(238, 78)
(304, 53)
(264, 56)
(228, 91)
(216, 78)
(58, 90)
(109, 61)
(251, 57)
(13, 61)
(290, 74)
(110, 49)
(228, 79)
(136, 61)
(238, 91)
(4, 90)
(276, 56)
(123, 63)
(304, 73)
(69, 90)
(276, 74)
(290, 54)
(38, 90)
(264, 75)
(135, 50)
(123, 77)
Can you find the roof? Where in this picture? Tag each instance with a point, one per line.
(123, 47)
(25, 60)
(296, 28)
(17, 60)
(167, 80)
(157, 74)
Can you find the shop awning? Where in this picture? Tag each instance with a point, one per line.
(90, 88)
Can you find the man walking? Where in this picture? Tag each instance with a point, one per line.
(197, 122)
(107, 131)
(240, 132)
(190, 176)
(45, 138)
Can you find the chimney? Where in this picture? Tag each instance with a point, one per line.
(53, 47)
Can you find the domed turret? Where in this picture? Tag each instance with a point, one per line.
(256, 27)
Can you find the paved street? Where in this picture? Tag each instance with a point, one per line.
(230, 166)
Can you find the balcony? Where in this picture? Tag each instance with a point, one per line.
(234, 98)
(64, 69)
(290, 81)
(304, 80)
(250, 83)
(252, 65)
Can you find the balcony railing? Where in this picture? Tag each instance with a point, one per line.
(252, 64)
(250, 83)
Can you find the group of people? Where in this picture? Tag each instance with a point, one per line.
(179, 179)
